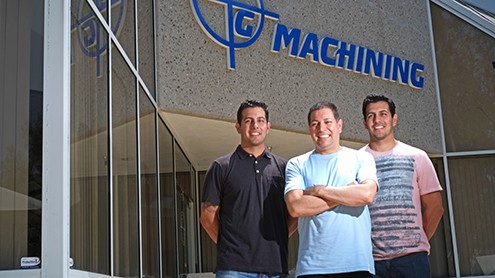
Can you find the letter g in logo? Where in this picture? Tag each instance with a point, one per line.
(236, 16)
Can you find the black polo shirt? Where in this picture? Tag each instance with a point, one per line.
(253, 234)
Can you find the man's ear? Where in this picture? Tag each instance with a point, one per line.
(238, 127)
(340, 123)
(395, 118)
(365, 124)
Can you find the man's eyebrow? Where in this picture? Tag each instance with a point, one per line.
(326, 119)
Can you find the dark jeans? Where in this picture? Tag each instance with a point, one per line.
(357, 274)
(415, 265)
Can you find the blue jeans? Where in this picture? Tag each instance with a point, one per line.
(240, 274)
(415, 265)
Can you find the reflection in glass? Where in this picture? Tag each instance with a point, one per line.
(208, 247)
(149, 188)
(186, 213)
(442, 265)
(466, 91)
(473, 196)
(146, 44)
(167, 202)
(21, 106)
(122, 14)
(90, 215)
(125, 194)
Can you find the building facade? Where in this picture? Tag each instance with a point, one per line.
(112, 111)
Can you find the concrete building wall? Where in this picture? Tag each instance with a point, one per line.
(193, 77)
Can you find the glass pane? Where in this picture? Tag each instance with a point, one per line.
(149, 187)
(146, 44)
(186, 213)
(123, 26)
(89, 215)
(442, 265)
(102, 7)
(465, 73)
(84, 14)
(88, 35)
(125, 206)
(473, 196)
(21, 106)
(208, 247)
(167, 202)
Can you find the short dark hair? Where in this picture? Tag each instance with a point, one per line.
(376, 98)
(251, 104)
(321, 105)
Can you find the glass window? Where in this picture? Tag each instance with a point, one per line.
(473, 196)
(124, 148)
(186, 213)
(90, 214)
(146, 44)
(208, 247)
(123, 26)
(442, 265)
(88, 35)
(21, 106)
(83, 11)
(149, 187)
(167, 202)
(465, 73)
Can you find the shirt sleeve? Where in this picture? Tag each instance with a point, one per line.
(293, 176)
(213, 184)
(367, 168)
(427, 177)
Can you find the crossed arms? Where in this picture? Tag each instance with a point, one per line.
(317, 199)
(320, 198)
(299, 203)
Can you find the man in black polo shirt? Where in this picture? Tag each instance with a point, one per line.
(243, 208)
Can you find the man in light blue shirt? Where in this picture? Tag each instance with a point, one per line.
(329, 189)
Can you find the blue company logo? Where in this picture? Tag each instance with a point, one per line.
(236, 14)
(326, 51)
(91, 37)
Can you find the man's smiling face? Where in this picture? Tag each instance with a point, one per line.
(379, 121)
(253, 127)
(325, 131)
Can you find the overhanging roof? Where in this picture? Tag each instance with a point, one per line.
(479, 13)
